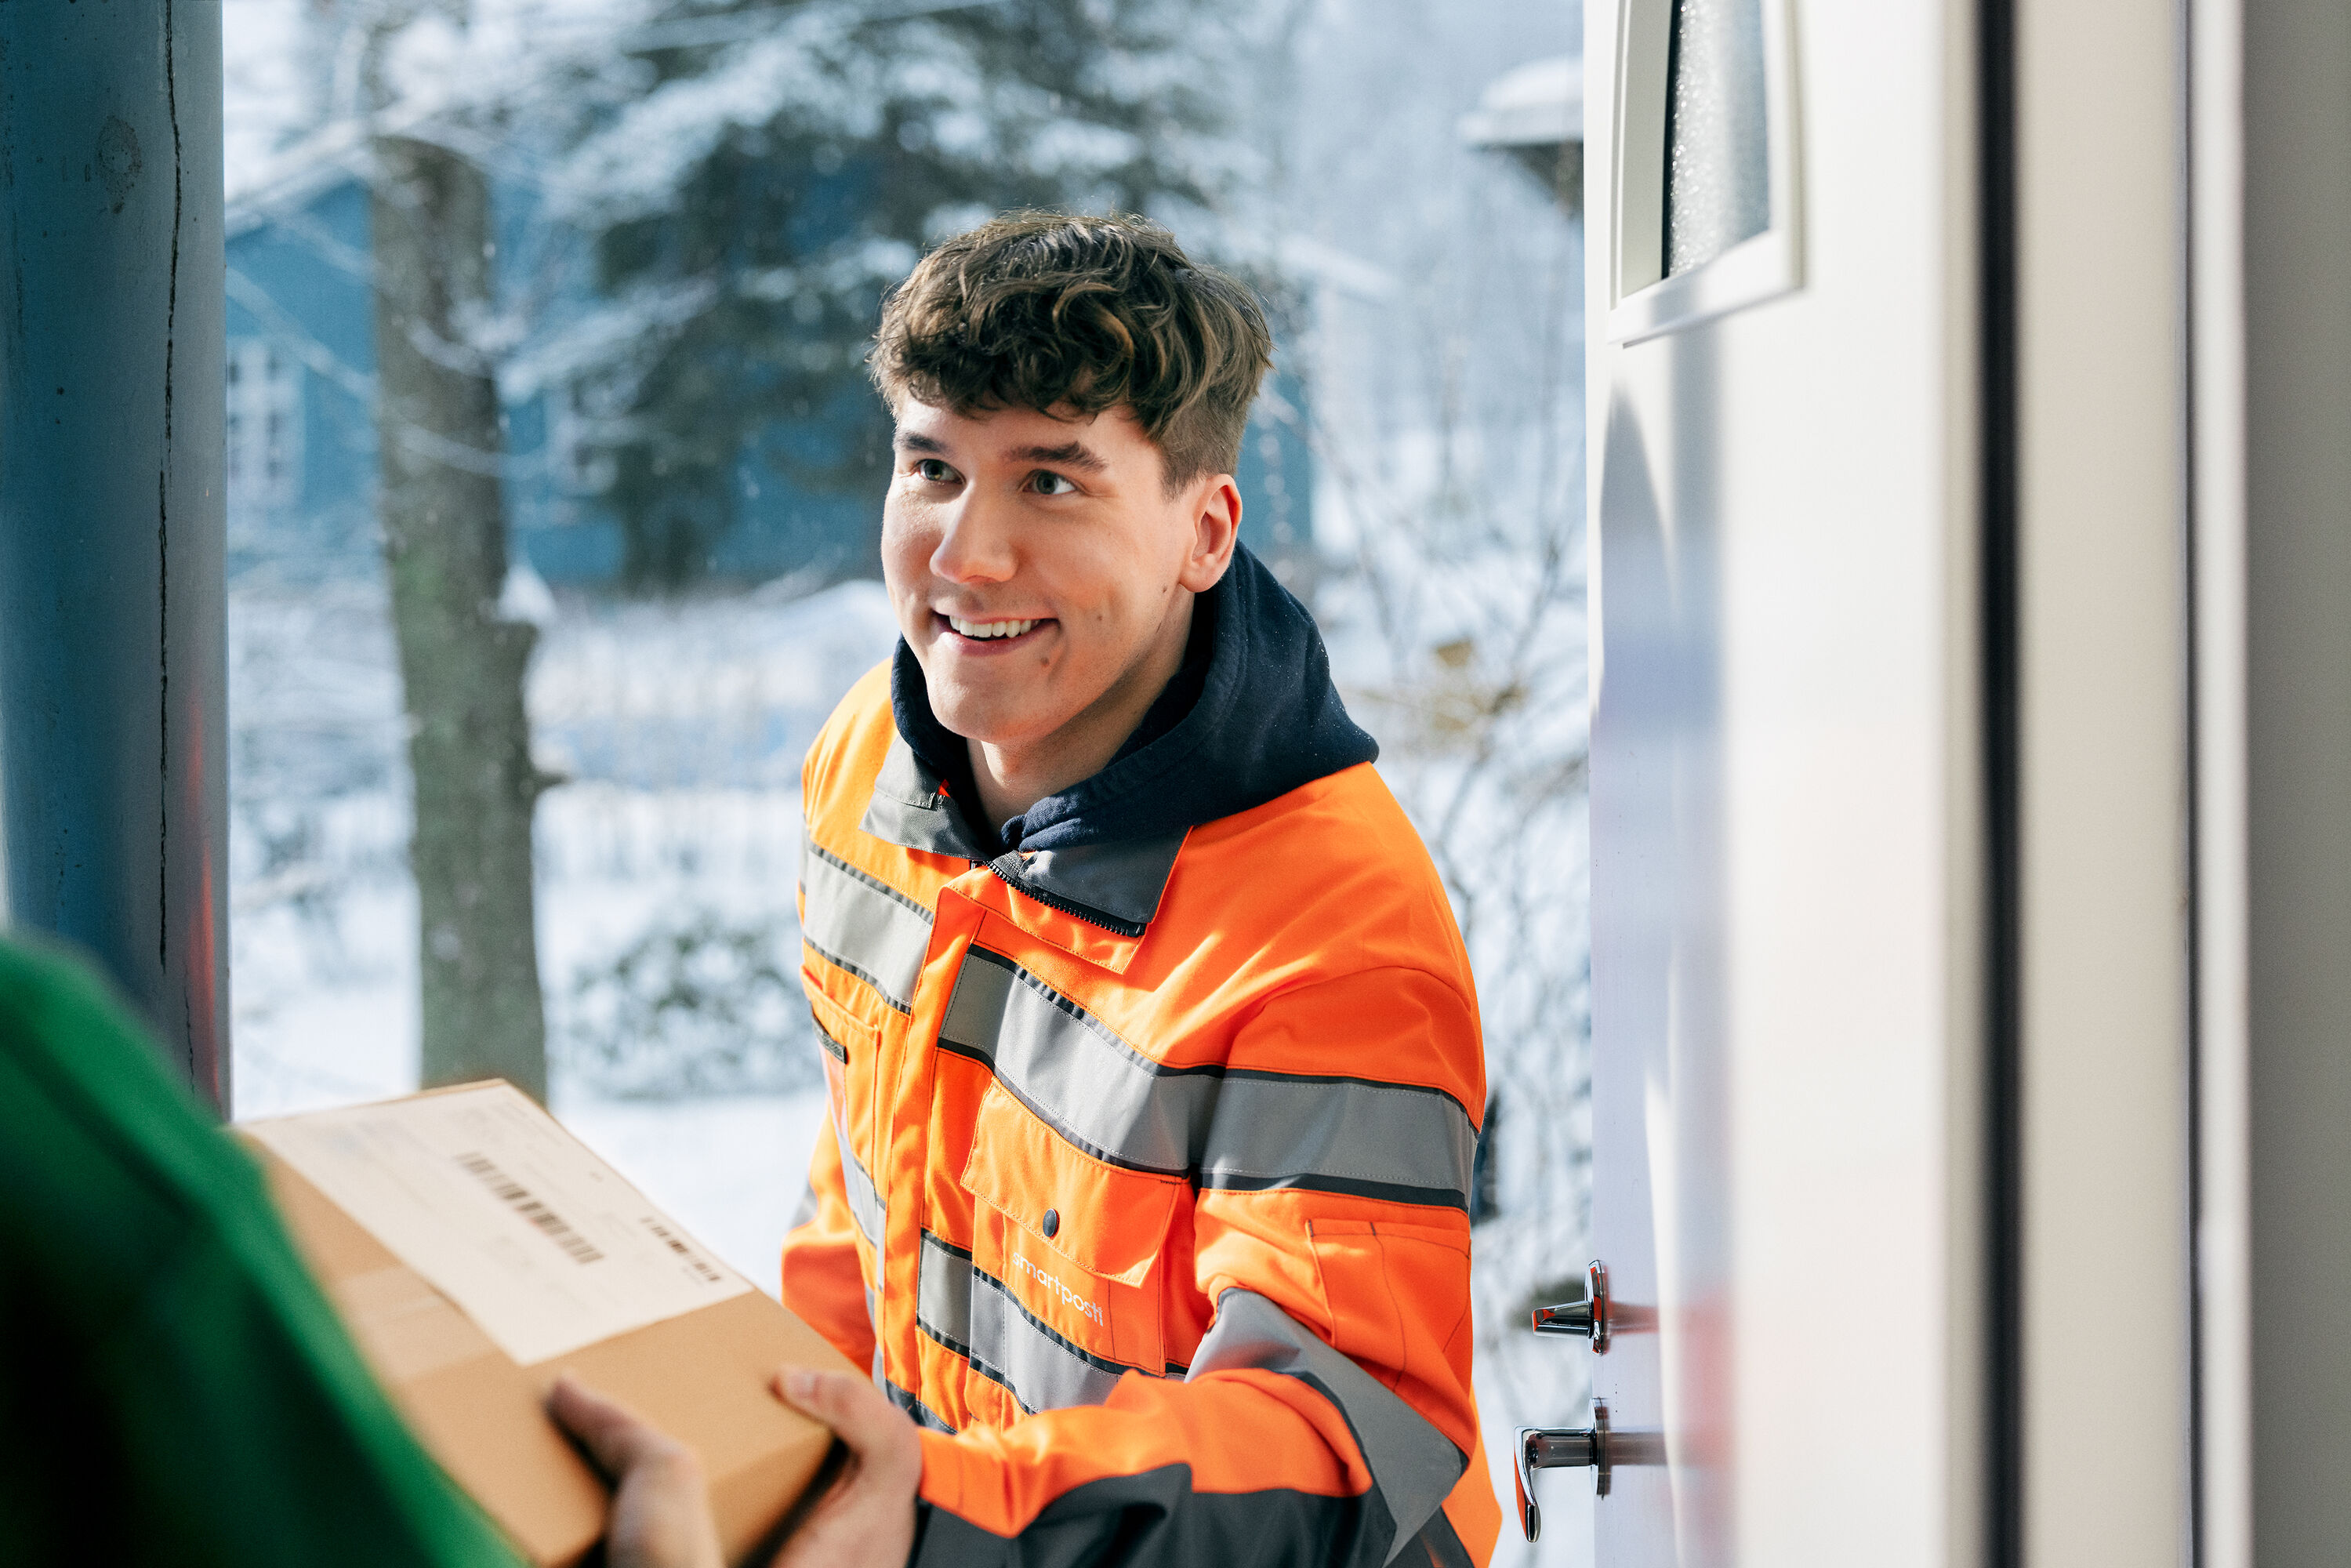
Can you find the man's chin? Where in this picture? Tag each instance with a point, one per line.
(987, 718)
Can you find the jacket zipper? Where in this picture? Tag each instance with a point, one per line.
(1070, 907)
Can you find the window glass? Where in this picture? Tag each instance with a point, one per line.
(1717, 169)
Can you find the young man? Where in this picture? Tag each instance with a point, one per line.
(1154, 1055)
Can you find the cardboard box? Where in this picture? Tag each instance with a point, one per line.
(477, 1251)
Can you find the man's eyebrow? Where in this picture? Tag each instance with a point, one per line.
(914, 441)
(1069, 454)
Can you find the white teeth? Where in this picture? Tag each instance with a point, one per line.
(983, 630)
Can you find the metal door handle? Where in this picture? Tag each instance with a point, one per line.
(1558, 1448)
(1589, 1318)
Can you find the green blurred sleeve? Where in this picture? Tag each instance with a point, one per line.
(173, 1387)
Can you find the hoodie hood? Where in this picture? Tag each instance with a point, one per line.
(1252, 714)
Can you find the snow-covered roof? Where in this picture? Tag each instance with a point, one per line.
(1537, 105)
(263, 184)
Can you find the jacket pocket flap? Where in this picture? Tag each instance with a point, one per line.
(841, 1034)
(1108, 1221)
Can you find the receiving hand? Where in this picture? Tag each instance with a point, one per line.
(660, 1504)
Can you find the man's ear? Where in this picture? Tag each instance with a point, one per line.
(1215, 529)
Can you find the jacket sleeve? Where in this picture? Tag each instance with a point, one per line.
(1326, 1415)
(822, 1281)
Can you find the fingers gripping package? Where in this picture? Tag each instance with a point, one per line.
(477, 1251)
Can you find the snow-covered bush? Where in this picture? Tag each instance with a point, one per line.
(698, 1005)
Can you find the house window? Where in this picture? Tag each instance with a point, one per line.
(264, 426)
(582, 465)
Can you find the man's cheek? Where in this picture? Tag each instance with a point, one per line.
(904, 563)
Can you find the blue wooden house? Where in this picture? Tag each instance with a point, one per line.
(302, 472)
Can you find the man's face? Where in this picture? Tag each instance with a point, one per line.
(1039, 570)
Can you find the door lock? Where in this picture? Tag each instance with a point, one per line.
(1588, 1318)
(1558, 1448)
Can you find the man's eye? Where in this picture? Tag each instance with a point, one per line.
(936, 472)
(1050, 484)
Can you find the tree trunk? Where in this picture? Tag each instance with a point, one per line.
(461, 664)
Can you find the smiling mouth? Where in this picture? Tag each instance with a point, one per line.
(992, 631)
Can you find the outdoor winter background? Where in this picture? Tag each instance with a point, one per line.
(1431, 317)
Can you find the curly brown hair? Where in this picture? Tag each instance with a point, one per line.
(1072, 316)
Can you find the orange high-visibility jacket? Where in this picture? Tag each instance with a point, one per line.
(1145, 1186)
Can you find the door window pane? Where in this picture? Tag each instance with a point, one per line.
(1718, 172)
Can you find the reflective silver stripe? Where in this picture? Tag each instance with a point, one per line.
(864, 1203)
(969, 1310)
(1064, 1061)
(1380, 1139)
(922, 1414)
(1414, 1466)
(943, 1293)
(874, 931)
(1224, 1128)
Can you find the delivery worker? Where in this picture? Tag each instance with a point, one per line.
(1154, 1057)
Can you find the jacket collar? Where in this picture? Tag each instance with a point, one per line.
(909, 809)
(1114, 885)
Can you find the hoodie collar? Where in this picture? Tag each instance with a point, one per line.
(1266, 719)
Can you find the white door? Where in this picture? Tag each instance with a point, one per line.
(1783, 441)
(1885, 1024)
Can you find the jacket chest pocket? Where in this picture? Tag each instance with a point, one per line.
(1068, 1263)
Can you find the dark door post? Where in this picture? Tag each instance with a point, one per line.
(113, 712)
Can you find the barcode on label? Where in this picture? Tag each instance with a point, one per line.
(518, 1198)
(682, 1251)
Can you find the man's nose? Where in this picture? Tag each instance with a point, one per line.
(977, 545)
